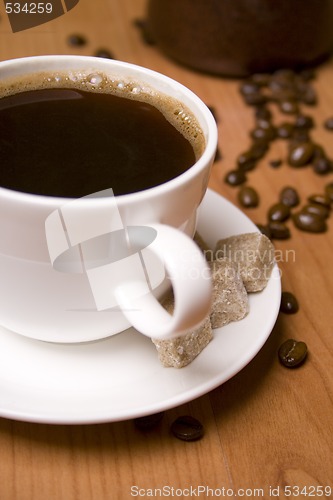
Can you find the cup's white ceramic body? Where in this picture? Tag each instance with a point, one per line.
(40, 302)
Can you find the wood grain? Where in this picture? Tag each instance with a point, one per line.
(266, 427)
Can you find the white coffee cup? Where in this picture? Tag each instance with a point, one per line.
(44, 296)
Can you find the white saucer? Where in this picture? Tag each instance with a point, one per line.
(120, 377)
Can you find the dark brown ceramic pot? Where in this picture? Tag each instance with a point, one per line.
(240, 37)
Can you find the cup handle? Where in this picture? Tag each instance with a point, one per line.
(191, 281)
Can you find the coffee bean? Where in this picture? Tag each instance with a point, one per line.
(263, 113)
(320, 199)
(248, 197)
(301, 85)
(275, 163)
(328, 124)
(76, 40)
(308, 95)
(246, 167)
(255, 99)
(259, 149)
(317, 209)
(235, 177)
(264, 123)
(289, 107)
(246, 160)
(278, 212)
(187, 428)
(322, 166)
(285, 130)
(104, 53)
(264, 229)
(265, 134)
(261, 79)
(249, 87)
(284, 75)
(309, 222)
(213, 111)
(148, 422)
(301, 155)
(292, 353)
(278, 88)
(289, 303)
(218, 155)
(279, 230)
(284, 94)
(289, 196)
(300, 135)
(304, 121)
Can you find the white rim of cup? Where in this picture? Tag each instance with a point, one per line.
(211, 136)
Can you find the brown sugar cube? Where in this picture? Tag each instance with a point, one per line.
(208, 252)
(181, 351)
(253, 253)
(230, 300)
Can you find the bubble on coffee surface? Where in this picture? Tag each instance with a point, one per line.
(136, 89)
(97, 81)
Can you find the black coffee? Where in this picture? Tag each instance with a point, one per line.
(72, 142)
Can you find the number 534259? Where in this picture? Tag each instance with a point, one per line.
(28, 8)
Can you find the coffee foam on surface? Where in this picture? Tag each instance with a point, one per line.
(172, 109)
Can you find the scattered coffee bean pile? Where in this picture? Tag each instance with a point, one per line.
(289, 91)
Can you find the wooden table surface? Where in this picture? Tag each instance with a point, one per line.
(266, 429)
